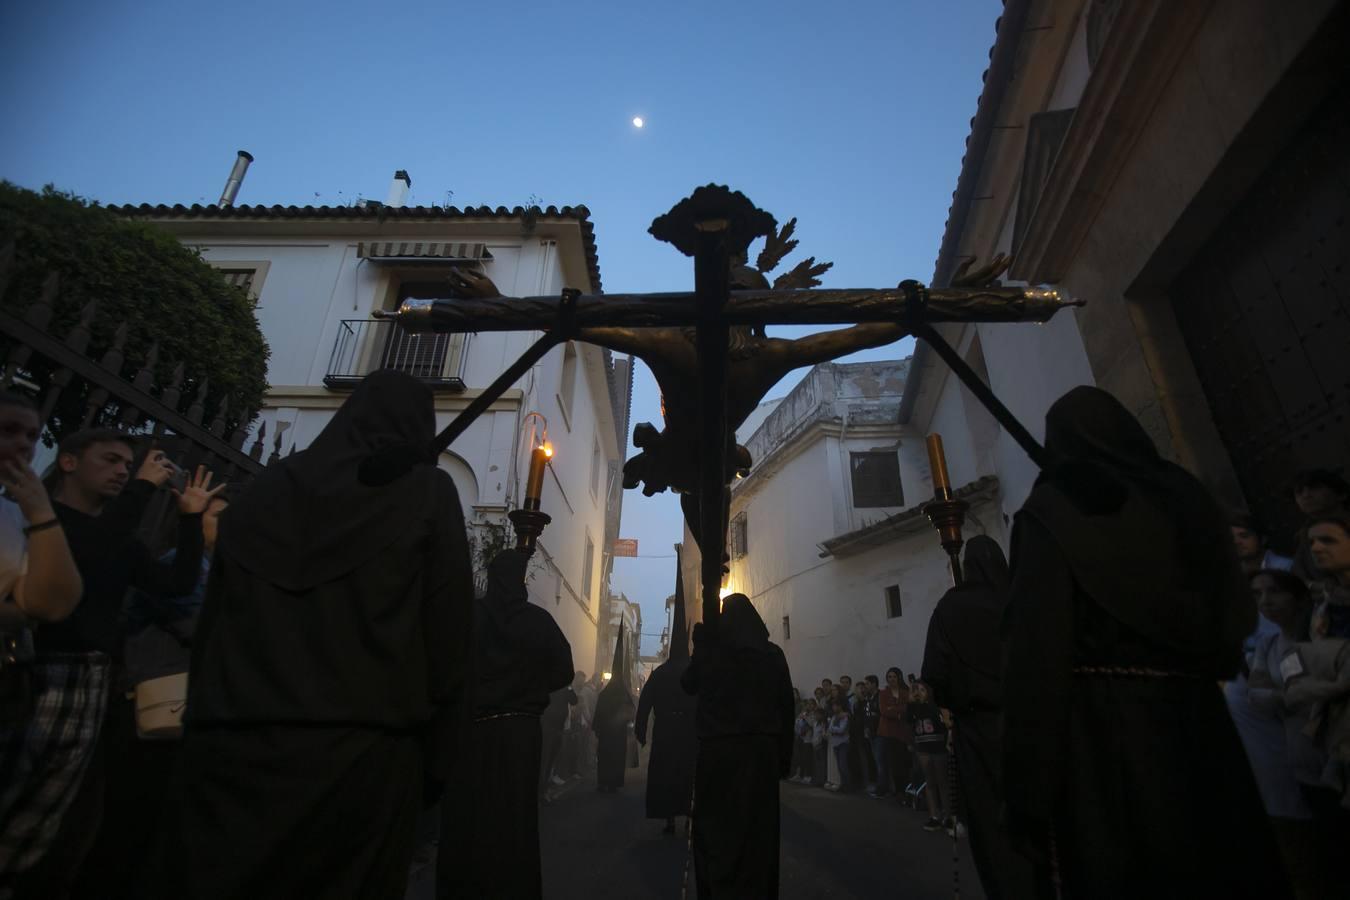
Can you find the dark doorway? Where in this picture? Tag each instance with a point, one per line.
(1264, 308)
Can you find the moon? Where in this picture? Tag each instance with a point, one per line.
(637, 122)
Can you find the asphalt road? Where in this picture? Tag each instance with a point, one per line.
(599, 846)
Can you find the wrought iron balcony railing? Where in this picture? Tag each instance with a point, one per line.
(365, 345)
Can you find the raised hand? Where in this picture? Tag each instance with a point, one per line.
(24, 487)
(155, 468)
(197, 494)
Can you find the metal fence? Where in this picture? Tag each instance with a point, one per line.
(156, 413)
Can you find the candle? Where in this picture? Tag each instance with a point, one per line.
(937, 463)
(534, 486)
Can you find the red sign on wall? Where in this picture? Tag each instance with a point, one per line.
(625, 547)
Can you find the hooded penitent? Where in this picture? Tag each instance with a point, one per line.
(964, 655)
(670, 769)
(745, 713)
(962, 664)
(491, 848)
(1126, 606)
(616, 699)
(332, 642)
(1143, 536)
(613, 712)
(312, 518)
(520, 654)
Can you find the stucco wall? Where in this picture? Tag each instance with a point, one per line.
(312, 285)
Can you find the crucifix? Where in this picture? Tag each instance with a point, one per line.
(710, 354)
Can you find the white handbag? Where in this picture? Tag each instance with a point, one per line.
(159, 707)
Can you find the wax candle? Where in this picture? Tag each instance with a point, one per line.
(534, 486)
(937, 463)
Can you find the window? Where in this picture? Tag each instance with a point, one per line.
(567, 384)
(240, 278)
(595, 467)
(427, 356)
(587, 562)
(246, 274)
(1045, 134)
(787, 627)
(876, 479)
(739, 544)
(893, 602)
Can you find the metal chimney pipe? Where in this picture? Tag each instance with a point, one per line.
(398, 190)
(236, 178)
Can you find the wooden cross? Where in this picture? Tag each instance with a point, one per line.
(716, 226)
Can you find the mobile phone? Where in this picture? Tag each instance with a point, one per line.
(179, 478)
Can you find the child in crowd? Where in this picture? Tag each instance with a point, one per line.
(820, 748)
(839, 741)
(803, 761)
(930, 745)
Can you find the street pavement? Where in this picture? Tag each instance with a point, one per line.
(839, 846)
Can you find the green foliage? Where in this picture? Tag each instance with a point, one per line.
(142, 275)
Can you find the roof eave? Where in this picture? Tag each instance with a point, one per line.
(997, 77)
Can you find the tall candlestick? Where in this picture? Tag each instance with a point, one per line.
(534, 485)
(529, 520)
(937, 463)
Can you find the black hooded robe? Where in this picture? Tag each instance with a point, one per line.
(670, 768)
(613, 712)
(962, 664)
(520, 656)
(332, 640)
(1126, 608)
(744, 719)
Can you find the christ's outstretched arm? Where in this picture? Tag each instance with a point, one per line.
(827, 345)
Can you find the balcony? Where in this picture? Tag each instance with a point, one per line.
(365, 345)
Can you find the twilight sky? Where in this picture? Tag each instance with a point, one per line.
(852, 118)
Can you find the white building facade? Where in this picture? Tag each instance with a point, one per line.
(319, 273)
(828, 538)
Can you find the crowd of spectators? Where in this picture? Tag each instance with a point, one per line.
(1291, 703)
(887, 741)
(89, 618)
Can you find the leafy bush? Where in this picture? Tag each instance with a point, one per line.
(141, 275)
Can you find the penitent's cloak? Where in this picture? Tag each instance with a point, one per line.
(333, 638)
(744, 722)
(613, 714)
(670, 768)
(962, 665)
(1126, 608)
(519, 657)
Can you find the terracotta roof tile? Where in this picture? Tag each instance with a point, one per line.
(378, 212)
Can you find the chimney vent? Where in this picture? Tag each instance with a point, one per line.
(398, 190)
(236, 178)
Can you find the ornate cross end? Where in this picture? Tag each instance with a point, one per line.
(718, 206)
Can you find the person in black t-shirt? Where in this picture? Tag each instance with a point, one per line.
(930, 745)
(100, 505)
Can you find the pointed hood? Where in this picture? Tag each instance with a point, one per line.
(679, 627)
(614, 706)
(619, 668)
